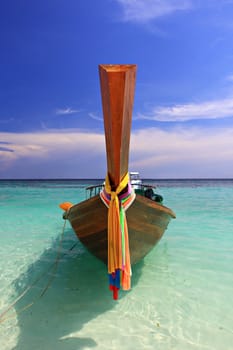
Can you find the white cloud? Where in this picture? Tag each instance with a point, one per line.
(5, 149)
(205, 110)
(66, 111)
(41, 144)
(183, 152)
(180, 152)
(229, 77)
(95, 117)
(142, 11)
(49, 153)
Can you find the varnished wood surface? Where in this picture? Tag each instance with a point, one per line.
(117, 84)
(147, 221)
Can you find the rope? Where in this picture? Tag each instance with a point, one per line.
(53, 267)
(56, 262)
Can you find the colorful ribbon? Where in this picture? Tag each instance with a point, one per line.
(118, 201)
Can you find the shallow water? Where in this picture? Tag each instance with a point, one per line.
(181, 296)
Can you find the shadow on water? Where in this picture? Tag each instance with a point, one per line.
(78, 294)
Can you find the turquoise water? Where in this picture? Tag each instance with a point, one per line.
(182, 293)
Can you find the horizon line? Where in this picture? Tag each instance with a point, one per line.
(102, 178)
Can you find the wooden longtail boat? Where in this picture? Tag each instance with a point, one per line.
(147, 219)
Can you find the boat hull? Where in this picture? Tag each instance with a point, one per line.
(147, 221)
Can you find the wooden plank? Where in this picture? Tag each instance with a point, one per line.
(147, 221)
(117, 83)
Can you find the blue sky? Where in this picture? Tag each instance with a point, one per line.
(50, 107)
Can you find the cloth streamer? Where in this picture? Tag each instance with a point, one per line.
(118, 201)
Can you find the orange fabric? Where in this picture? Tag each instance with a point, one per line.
(65, 206)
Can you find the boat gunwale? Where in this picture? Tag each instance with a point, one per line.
(150, 203)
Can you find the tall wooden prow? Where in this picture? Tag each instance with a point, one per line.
(117, 84)
(93, 219)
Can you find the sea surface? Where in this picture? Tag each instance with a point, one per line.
(54, 294)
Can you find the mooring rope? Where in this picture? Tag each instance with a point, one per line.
(54, 266)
